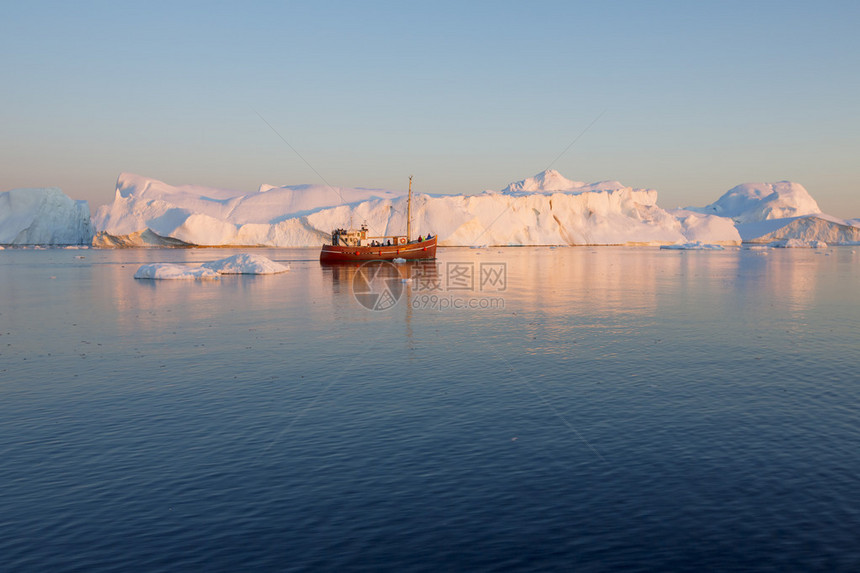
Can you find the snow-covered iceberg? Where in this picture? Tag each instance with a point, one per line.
(782, 213)
(547, 209)
(147, 212)
(43, 216)
(751, 202)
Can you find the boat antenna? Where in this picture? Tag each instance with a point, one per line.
(409, 213)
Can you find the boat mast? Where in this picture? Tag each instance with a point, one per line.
(409, 213)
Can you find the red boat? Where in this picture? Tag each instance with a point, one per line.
(348, 246)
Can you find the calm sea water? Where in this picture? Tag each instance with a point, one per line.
(580, 409)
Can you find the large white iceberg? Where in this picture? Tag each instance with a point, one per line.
(751, 202)
(782, 213)
(43, 216)
(147, 212)
(547, 209)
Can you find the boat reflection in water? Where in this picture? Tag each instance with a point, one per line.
(379, 285)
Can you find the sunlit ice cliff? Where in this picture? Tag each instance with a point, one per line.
(774, 213)
(547, 209)
(43, 216)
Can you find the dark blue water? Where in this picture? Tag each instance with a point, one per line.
(611, 408)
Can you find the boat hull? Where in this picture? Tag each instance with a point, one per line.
(411, 251)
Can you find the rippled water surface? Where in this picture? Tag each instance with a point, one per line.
(599, 409)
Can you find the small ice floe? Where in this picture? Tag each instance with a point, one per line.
(799, 244)
(761, 250)
(398, 261)
(172, 271)
(697, 246)
(242, 264)
(245, 264)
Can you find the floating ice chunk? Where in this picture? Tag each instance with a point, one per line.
(247, 264)
(697, 246)
(241, 264)
(398, 260)
(799, 244)
(173, 271)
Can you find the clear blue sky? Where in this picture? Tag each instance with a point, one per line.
(467, 96)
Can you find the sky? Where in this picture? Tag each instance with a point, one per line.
(689, 98)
